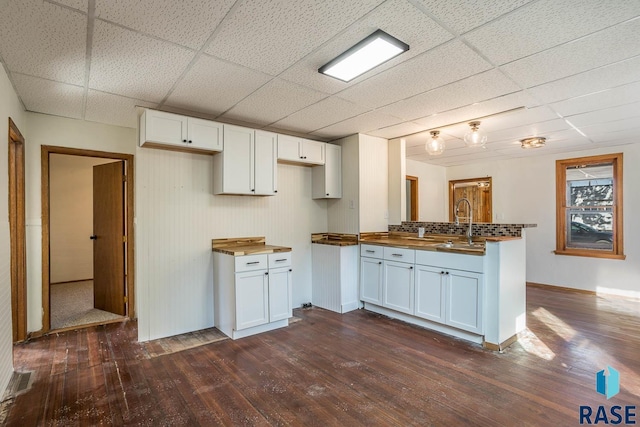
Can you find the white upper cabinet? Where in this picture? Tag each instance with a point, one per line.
(327, 179)
(298, 150)
(174, 132)
(248, 163)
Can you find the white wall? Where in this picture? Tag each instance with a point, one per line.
(61, 132)
(432, 190)
(343, 214)
(9, 107)
(524, 192)
(71, 216)
(397, 181)
(176, 218)
(374, 184)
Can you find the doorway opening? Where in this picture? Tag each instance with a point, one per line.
(478, 191)
(87, 215)
(412, 198)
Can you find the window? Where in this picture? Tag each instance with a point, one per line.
(589, 206)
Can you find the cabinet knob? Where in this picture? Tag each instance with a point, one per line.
(190, 141)
(275, 191)
(290, 270)
(446, 272)
(184, 140)
(253, 190)
(442, 272)
(266, 273)
(327, 194)
(411, 267)
(379, 262)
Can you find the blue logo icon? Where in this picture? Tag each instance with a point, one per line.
(608, 385)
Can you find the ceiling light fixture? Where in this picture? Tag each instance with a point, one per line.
(535, 142)
(435, 145)
(374, 50)
(474, 138)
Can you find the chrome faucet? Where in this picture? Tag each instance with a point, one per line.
(469, 230)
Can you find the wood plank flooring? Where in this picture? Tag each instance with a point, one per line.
(344, 370)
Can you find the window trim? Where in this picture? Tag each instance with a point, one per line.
(561, 199)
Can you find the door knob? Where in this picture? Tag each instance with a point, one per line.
(94, 237)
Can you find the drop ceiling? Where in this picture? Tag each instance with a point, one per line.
(574, 65)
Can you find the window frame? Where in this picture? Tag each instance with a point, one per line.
(617, 251)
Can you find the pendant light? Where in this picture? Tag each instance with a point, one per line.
(434, 145)
(474, 138)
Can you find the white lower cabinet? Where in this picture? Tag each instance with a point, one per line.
(398, 286)
(371, 280)
(249, 296)
(423, 284)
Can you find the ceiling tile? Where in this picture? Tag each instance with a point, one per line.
(49, 97)
(113, 109)
(82, 5)
(606, 115)
(274, 101)
(602, 78)
(188, 22)
(364, 123)
(127, 63)
(292, 28)
(324, 113)
(547, 23)
(396, 17)
(462, 16)
(445, 64)
(478, 110)
(514, 134)
(625, 94)
(213, 86)
(528, 116)
(399, 130)
(44, 40)
(602, 48)
(607, 131)
(480, 87)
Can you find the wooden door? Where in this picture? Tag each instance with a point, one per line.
(108, 243)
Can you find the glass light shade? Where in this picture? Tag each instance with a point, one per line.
(475, 138)
(536, 142)
(434, 145)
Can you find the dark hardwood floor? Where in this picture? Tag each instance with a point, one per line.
(329, 369)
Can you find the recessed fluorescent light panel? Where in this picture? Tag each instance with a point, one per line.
(376, 49)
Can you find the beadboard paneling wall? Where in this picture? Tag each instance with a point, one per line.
(176, 218)
(9, 107)
(374, 184)
(343, 214)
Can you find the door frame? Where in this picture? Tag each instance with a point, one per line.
(414, 198)
(45, 152)
(452, 202)
(17, 232)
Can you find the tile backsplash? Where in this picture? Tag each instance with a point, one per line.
(480, 229)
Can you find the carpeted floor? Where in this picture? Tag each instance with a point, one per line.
(72, 305)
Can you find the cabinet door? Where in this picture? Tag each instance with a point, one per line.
(288, 148)
(371, 280)
(333, 171)
(204, 134)
(312, 152)
(464, 300)
(266, 171)
(398, 286)
(430, 292)
(238, 160)
(279, 294)
(252, 301)
(165, 128)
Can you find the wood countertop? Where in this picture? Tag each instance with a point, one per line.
(431, 242)
(334, 239)
(245, 246)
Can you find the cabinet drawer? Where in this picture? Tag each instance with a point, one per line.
(251, 262)
(280, 259)
(447, 260)
(371, 251)
(399, 254)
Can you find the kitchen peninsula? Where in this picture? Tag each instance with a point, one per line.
(251, 286)
(475, 292)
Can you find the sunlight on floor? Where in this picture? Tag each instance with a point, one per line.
(554, 323)
(532, 344)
